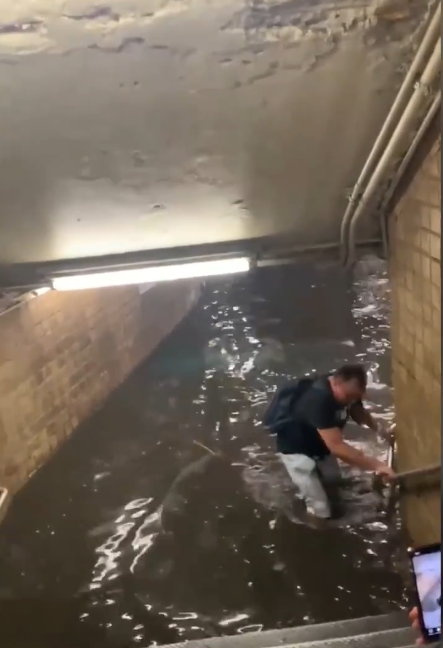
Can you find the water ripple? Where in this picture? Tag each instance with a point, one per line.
(186, 525)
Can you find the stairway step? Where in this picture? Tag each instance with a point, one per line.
(387, 639)
(303, 634)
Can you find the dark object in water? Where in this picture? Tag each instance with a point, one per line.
(174, 502)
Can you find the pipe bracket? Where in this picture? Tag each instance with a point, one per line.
(424, 88)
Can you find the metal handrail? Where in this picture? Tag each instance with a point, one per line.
(418, 473)
(407, 480)
(413, 474)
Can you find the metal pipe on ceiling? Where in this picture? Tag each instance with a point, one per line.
(404, 125)
(4, 502)
(426, 123)
(429, 38)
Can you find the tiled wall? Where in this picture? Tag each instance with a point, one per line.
(61, 354)
(415, 265)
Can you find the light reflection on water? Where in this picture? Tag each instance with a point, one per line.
(185, 525)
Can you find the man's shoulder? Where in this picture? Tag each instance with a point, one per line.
(318, 407)
(320, 393)
(322, 389)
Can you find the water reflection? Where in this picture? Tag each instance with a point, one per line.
(169, 517)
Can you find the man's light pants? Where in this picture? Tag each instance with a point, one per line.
(310, 477)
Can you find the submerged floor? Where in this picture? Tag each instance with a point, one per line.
(134, 535)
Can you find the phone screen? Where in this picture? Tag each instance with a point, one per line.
(426, 564)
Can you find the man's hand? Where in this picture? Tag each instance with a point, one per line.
(384, 429)
(385, 472)
(416, 625)
(333, 439)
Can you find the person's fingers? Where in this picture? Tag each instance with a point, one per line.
(413, 616)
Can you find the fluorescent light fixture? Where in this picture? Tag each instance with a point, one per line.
(153, 274)
(41, 291)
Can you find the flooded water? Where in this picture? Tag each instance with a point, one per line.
(136, 534)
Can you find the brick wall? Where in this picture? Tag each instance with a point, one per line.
(61, 354)
(415, 228)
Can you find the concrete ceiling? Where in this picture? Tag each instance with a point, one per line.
(136, 125)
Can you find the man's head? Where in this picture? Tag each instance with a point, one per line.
(349, 383)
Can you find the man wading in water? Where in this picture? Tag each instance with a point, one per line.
(308, 418)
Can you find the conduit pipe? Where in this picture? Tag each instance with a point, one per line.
(432, 33)
(4, 502)
(432, 113)
(405, 123)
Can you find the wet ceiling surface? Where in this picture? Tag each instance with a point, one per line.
(144, 125)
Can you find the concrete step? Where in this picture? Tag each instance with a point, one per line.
(390, 631)
(389, 639)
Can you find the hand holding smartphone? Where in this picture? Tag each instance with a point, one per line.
(426, 568)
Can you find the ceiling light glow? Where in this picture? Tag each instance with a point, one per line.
(155, 274)
(41, 291)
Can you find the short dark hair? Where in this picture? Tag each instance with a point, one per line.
(352, 372)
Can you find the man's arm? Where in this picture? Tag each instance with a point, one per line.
(320, 411)
(362, 417)
(334, 441)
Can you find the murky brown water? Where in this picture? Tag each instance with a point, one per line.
(133, 535)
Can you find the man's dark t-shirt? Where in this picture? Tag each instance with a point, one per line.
(316, 410)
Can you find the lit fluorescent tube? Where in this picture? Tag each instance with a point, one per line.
(153, 274)
(41, 291)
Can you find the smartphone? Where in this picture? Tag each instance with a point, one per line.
(426, 568)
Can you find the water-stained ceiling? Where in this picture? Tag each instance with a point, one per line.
(134, 125)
